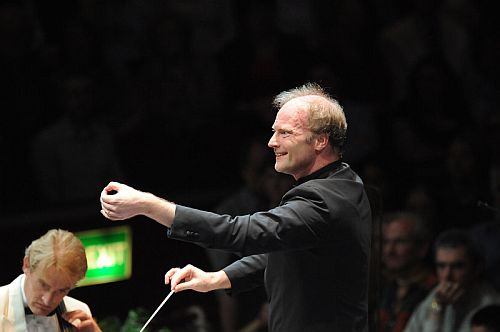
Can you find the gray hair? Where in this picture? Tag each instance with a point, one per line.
(421, 231)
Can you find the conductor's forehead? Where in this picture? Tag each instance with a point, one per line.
(292, 114)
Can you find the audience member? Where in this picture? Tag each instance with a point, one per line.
(461, 290)
(407, 279)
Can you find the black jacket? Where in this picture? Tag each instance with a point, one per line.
(312, 251)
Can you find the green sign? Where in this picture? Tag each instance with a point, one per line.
(109, 254)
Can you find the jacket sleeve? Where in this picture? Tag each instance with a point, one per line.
(302, 221)
(247, 273)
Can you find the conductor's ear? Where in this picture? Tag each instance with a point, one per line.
(321, 141)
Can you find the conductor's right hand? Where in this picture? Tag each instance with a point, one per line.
(191, 277)
(119, 201)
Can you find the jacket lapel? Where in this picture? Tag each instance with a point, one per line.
(15, 313)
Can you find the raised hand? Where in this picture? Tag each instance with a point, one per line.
(448, 292)
(119, 201)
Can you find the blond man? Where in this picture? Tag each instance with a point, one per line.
(37, 299)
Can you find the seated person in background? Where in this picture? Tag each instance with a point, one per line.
(486, 319)
(407, 279)
(37, 300)
(461, 291)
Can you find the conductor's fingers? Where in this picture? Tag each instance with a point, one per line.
(181, 276)
(185, 285)
(169, 274)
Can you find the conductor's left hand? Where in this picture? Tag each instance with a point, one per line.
(191, 277)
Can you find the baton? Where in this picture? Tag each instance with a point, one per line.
(157, 309)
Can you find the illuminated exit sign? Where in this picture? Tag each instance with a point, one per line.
(109, 254)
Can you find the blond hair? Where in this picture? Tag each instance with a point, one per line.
(60, 249)
(325, 115)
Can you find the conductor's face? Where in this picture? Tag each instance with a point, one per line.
(45, 288)
(292, 140)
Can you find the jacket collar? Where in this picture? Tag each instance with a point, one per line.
(322, 172)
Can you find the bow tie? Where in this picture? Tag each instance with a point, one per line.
(27, 311)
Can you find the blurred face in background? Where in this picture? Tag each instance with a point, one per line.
(454, 265)
(400, 250)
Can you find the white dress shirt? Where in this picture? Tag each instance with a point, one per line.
(36, 323)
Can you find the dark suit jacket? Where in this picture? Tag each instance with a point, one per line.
(312, 251)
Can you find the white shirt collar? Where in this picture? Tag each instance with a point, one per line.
(23, 280)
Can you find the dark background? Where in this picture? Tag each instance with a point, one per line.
(166, 96)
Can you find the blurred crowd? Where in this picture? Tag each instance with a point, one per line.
(95, 90)
(170, 96)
